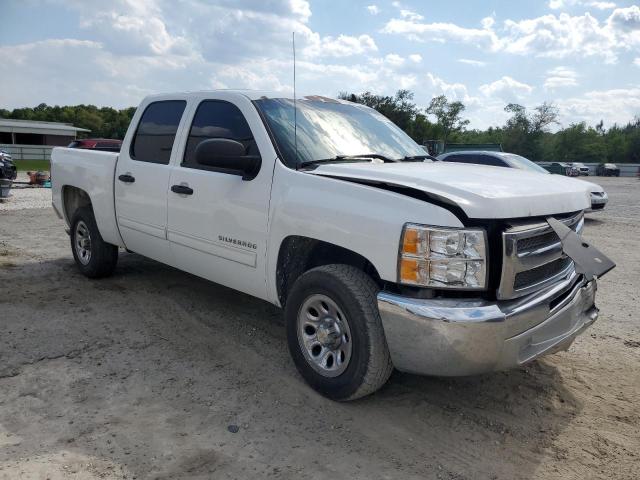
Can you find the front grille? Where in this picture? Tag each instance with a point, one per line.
(540, 274)
(533, 256)
(535, 243)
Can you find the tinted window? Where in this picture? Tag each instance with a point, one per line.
(156, 131)
(476, 159)
(217, 119)
(491, 160)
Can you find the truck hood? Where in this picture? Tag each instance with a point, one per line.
(480, 191)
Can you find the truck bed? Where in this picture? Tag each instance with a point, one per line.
(93, 172)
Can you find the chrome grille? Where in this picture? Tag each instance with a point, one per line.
(533, 257)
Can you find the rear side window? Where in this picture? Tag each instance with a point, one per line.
(217, 119)
(476, 159)
(490, 160)
(156, 131)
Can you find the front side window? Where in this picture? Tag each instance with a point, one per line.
(156, 131)
(217, 119)
(319, 128)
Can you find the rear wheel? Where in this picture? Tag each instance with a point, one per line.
(94, 257)
(335, 334)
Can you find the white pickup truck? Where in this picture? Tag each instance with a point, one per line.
(380, 257)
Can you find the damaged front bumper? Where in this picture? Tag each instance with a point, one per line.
(454, 337)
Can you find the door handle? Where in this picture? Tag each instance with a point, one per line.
(126, 178)
(182, 189)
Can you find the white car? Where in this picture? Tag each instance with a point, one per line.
(598, 196)
(379, 257)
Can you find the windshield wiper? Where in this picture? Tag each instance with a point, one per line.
(350, 158)
(415, 158)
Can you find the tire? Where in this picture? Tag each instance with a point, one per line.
(361, 364)
(95, 258)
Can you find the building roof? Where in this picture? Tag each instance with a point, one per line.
(44, 128)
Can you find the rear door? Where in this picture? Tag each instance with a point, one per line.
(142, 179)
(218, 230)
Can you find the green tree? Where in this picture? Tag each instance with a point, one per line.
(448, 116)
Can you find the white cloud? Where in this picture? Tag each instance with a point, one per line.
(553, 36)
(560, 77)
(415, 57)
(411, 15)
(636, 62)
(342, 46)
(455, 91)
(474, 63)
(415, 30)
(373, 9)
(602, 5)
(613, 106)
(394, 59)
(561, 4)
(506, 89)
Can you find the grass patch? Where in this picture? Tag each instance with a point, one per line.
(25, 165)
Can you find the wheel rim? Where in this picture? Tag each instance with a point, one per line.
(324, 335)
(83, 243)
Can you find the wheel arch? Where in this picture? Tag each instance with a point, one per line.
(74, 198)
(298, 254)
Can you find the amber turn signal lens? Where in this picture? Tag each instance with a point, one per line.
(410, 242)
(409, 270)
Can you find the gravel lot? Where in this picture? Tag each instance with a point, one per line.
(147, 374)
(22, 197)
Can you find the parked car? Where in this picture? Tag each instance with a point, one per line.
(582, 168)
(561, 168)
(4, 155)
(599, 197)
(379, 256)
(608, 170)
(105, 144)
(8, 173)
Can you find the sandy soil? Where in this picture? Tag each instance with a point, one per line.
(147, 375)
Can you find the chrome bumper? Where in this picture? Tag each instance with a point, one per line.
(466, 337)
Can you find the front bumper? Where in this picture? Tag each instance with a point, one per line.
(467, 337)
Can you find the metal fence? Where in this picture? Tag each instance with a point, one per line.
(28, 152)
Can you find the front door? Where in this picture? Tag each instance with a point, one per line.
(217, 222)
(142, 179)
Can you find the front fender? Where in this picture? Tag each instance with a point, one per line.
(361, 218)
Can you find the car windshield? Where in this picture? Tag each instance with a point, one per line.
(522, 163)
(330, 130)
(610, 165)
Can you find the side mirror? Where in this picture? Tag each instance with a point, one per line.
(228, 156)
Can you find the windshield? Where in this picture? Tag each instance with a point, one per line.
(327, 129)
(522, 163)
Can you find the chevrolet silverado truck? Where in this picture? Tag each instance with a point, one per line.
(380, 257)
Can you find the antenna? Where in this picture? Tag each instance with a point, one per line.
(295, 110)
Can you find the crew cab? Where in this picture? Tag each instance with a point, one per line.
(379, 257)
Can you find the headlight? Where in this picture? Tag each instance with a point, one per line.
(443, 257)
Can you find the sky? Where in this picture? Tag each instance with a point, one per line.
(582, 55)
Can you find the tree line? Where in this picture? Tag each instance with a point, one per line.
(526, 132)
(104, 122)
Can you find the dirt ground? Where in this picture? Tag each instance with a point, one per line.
(149, 373)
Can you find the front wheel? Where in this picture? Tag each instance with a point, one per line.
(94, 257)
(335, 334)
